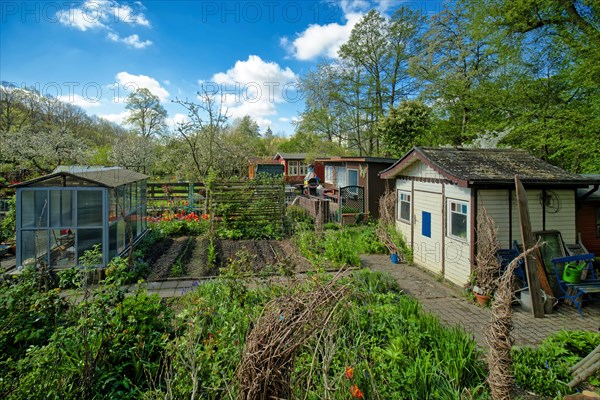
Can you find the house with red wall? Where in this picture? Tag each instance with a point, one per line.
(295, 167)
(588, 216)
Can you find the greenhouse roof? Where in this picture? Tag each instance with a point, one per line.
(96, 176)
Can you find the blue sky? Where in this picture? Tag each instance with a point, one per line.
(91, 53)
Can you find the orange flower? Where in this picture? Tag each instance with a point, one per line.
(356, 392)
(205, 216)
(349, 373)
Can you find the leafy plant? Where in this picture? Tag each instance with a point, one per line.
(545, 370)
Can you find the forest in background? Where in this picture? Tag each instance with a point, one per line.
(490, 73)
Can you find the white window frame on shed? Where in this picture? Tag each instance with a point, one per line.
(293, 168)
(329, 174)
(404, 199)
(303, 169)
(460, 209)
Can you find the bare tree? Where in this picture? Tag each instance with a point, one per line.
(203, 131)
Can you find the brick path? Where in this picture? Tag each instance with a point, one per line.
(448, 303)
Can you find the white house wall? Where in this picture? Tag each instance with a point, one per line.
(404, 227)
(457, 253)
(427, 251)
(496, 203)
(564, 219)
(421, 170)
(497, 206)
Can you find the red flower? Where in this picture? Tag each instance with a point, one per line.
(356, 392)
(205, 216)
(349, 373)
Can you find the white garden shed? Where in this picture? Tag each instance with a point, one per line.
(440, 191)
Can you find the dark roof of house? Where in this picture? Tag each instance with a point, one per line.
(588, 193)
(480, 167)
(262, 160)
(341, 159)
(107, 177)
(291, 156)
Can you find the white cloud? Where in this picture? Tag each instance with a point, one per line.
(254, 87)
(284, 119)
(321, 40)
(176, 119)
(101, 14)
(116, 118)
(131, 40)
(106, 15)
(80, 101)
(130, 81)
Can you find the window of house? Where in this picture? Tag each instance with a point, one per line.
(598, 222)
(404, 199)
(303, 169)
(329, 174)
(457, 219)
(293, 168)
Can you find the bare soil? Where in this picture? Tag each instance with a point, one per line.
(161, 268)
(254, 254)
(261, 253)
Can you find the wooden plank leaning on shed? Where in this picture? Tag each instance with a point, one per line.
(536, 274)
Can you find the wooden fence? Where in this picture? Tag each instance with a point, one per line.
(234, 202)
(256, 202)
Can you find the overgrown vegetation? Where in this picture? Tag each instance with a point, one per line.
(545, 370)
(112, 346)
(336, 246)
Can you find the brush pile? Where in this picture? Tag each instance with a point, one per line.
(498, 336)
(286, 323)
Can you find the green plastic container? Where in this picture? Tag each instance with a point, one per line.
(572, 272)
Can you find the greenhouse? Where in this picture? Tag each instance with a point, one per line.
(63, 214)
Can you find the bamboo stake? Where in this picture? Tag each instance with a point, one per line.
(585, 359)
(582, 374)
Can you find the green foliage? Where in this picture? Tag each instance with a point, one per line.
(404, 127)
(339, 246)
(545, 370)
(182, 228)
(8, 224)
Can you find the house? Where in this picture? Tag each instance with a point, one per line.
(440, 191)
(361, 171)
(295, 167)
(259, 165)
(65, 213)
(588, 215)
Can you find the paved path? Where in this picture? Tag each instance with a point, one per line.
(448, 303)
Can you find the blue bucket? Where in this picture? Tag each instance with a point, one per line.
(395, 259)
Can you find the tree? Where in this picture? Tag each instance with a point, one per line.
(455, 62)
(133, 152)
(203, 133)
(404, 127)
(146, 114)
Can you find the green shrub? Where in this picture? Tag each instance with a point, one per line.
(545, 370)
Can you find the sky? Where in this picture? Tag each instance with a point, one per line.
(93, 53)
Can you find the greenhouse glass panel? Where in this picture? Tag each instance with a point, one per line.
(127, 198)
(34, 208)
(134, 198)
(61, 208)
(34, 246)
(112, 240)
(86, 239)
(121, 236)
(89, 208)
(62, 248)
(112, 205)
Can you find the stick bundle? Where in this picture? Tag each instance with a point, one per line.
(585, 368)
(286, 323)
(498, 336)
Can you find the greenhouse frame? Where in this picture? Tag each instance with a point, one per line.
(65, 213)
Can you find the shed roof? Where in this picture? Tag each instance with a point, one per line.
(482, 167)
(588, 193)
(341, 159)
(291, 156)
(107, 177)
